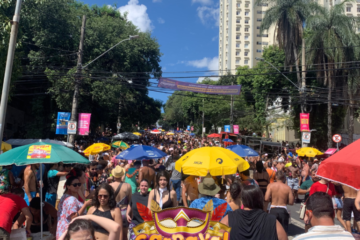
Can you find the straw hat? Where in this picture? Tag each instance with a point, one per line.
(118, 172)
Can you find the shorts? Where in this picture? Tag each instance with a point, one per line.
(349, 206)
(124, 219)
(282, 216)
(33, 194)
(51, 198)
(293, 183)
(4, 235)
(339, 203)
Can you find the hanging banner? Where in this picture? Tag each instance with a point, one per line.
(199, 88)
(84, 123)
(192, 128)
(236, 129)
(227, 128)
(39, 152)
(62, 122)
(304, 122)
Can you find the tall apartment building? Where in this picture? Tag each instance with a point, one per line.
(351, 8)
(240, 41)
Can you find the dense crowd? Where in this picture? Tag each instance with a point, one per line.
(100, 199)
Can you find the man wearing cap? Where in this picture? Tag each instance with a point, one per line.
(280, 164)
(209, 189)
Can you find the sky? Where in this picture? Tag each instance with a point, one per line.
(187, 31)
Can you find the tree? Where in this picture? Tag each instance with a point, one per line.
(331, 38)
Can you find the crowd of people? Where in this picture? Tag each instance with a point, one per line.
(100, 199)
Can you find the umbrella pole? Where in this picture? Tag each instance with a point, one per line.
(41, 202)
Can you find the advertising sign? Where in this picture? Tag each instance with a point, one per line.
(71, 127)
(192, 128)
(39, 152)
(306, 136)
(204, 130)
(62, 122)
(304, 122)
(227, 128)
(199, 88)
(236, 129)
(84, 123)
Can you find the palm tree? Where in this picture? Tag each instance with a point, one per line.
(330, 41)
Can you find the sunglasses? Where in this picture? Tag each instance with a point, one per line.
(76, 184)
(103, 196)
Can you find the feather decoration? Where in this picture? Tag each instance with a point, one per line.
(219, 212)
(144, 212)
(208, 206)
(155, 206)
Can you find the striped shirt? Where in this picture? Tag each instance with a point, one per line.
(325, 232)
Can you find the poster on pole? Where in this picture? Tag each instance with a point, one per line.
(192, 128)
(71, 127)
(204, 129)
(62, 122)
(306, 136)
(227, 128)
(84, 124)
(236, 129)
(304, 122)
(219, 129)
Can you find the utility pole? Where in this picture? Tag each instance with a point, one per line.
(303, 77)
(203, 120)
(74, 110)
(231, 112)
(118, 126)
(9, 65)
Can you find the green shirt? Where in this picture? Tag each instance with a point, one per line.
(305, 186)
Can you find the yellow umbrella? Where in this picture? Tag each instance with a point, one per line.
(170, 133)
(96, 148)
(120, 144)
(308, 152)
(163, 130)
(5, 147)
(217, 161)
(137, 133)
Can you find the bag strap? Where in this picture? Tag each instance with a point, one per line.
(118, 189)
(327, 188)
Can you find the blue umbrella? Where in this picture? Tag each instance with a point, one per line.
(192, 134)
(243, 151)
(142, 152)
(227, 140)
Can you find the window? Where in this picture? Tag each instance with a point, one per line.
(258, 50)
(246, 54)
(246, 29)
(237, 61)
(246, 45)
(358, 9)
(262, 5)
(259, 19)
(247, 21)
(237, 29)
(246, 61)
(238, 5)
(247, 13)
(238, 20)
(265, 35)
(348, 9)
(265, 43)
(237, 54)
(237, 12)
(258, 27)
(258, 43)
(237, 45)
(247, 5)
(246, 37)
(358, 29)
(258, 12)
(237, 36)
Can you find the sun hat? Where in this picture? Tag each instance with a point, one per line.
(208, 186)
(118, 172)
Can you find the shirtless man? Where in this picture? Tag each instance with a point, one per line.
(349, 206)
(280, 195)
(148, 173)
(190, 190)
(30, 182)
(293, 179)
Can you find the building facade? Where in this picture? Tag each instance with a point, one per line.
(240, 40)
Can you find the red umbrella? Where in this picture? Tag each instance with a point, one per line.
(214, 135)
(343, 167)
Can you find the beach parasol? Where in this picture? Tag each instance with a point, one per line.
(215, 160)
(243, 151)
(343, 167)
(308, 152)
(227, 140)
(5, 147)
(141, 152)
(170, 133)
(155, 131)
(137, 133)
(96, 148)
(39, 153)
(214, 135)
(120, 144)
(126, 135)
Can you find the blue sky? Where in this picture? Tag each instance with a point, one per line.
(187, 31)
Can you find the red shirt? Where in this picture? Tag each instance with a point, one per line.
(10, 205)
(319, 187)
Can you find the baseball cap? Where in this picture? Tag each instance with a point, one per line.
(280, 160)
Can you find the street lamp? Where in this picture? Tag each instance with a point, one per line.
(263, 60)
(128, 39)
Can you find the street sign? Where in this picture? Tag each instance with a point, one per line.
(118, 125)
(306, 136)
(71, 127)
(204, 129)
(337, 138)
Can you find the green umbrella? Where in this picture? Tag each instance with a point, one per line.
(41, 152)
(120, 144)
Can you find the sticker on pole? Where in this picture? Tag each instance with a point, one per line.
(39, 152)
(71, 127)
(337, 138)
(306, 136)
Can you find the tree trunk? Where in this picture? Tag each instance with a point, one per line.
(299, 78)
(329, 113)
(351, 117)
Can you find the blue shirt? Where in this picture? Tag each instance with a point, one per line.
(201, 202)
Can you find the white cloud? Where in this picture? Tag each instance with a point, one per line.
(215, 38)
(203, 2)
(161, 21)
(136, 13)
(200, 79)
(209, 63)
(208, 14)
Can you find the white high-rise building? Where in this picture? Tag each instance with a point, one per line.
(240, 41)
